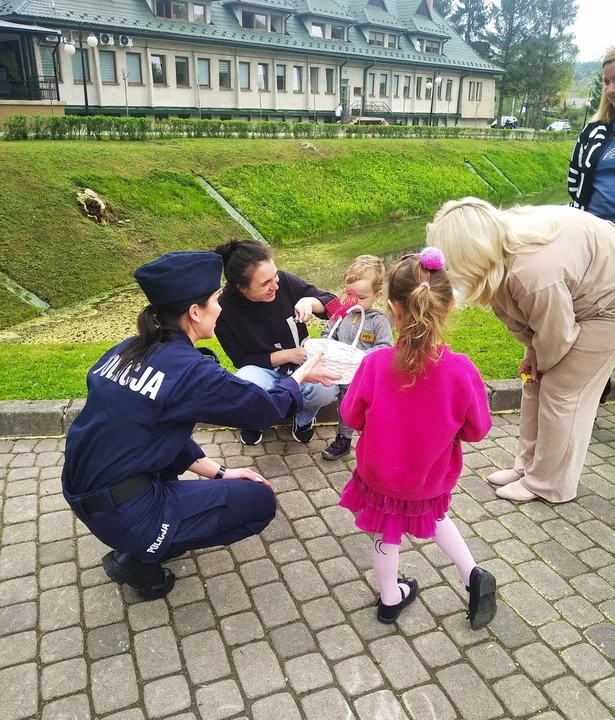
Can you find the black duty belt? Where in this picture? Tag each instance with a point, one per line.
(120, 493)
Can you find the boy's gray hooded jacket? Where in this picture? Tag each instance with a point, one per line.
(376, 332)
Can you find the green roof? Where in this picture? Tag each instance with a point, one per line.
(134, 17)
(285, 5)
(324, 9)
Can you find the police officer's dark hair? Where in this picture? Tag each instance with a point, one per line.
(155, 325)
(240, 257)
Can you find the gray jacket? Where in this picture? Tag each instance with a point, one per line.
(376, 333)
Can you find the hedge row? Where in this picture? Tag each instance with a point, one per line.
(97, 127)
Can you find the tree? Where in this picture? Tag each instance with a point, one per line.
(595, 93)
(443, 7)
(469, 18)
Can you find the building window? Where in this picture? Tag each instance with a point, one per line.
(406, 86)
(419, 84)
(244, 75)
(392, 42)
(357, 91)
(263, 76)
(338, 32)
(277, 24)
(200, 15)
(280, 77)
(49, 62)
(439, 86)
(318, 31)
(372, 84)
(78, 67)
(204, 78)
(329, 75)
(428, 90)
(314, 79)
(171, 10)
(475, 91)
(107, 66)
(384, 81)
(297, 78)
(224, 74)
(133, 69)
(254, 21)
(395, 85)
(159, 73)
(432, 47)
(449, 90)
(376, 38)
(181, 72)
(418, 44)
(479, 91)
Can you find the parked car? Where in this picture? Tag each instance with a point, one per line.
(508, 121)
(560, 126)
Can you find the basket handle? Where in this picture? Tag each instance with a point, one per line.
(339, 320)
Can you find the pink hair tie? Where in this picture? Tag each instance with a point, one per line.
(432, 258)
(425, 284)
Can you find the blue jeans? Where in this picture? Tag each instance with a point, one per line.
(315, 396)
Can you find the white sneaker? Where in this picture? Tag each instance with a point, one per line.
(504, 477)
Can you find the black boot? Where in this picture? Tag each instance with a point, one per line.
(388, 614)
(482, 607)
(150, 581)
(338, 448)
(606, 392)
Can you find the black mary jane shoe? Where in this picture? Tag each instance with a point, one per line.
(388, 614)
(482, 606)
(150, 581)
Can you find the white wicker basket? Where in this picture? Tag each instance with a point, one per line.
(338, 357)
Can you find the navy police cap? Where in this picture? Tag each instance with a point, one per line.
(178, 276)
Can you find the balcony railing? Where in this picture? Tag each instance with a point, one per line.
(33, 87)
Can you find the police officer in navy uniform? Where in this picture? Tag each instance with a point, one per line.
(132, 439)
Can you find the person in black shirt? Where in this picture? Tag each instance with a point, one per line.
(263, 325)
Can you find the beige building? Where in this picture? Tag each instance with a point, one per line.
(250, 59)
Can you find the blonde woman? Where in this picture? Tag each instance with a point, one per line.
(547, 272)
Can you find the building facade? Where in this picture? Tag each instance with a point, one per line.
(250, 59)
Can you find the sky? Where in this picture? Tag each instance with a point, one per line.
(594, 28)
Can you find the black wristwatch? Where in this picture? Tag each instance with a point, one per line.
(220, 473)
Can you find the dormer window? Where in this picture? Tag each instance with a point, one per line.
(432, 47)
(318, 30)
(338, 32)
(172, 10)
(376, 38)
(200, 14)
(262, 22)
(392, 41)
(377, 3)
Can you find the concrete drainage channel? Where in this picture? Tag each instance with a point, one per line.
(52, 418)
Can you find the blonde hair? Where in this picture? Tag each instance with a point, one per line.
(476, 239)
(422, 299)
(366, 266)
(606, 111)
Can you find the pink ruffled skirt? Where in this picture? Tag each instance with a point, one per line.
(377, 513)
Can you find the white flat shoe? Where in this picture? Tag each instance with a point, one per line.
(516, 492)
(503, 477)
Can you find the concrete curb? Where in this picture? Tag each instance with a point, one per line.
(42, 418)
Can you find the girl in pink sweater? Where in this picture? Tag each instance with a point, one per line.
(414, 404)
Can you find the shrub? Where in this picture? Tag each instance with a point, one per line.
(16, 127)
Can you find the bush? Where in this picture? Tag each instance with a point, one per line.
(40, 127)
(16, 127)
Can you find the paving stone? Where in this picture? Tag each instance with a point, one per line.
(491, 660)
(599, 533)
(278, 529)
(55, 526)
(524, 528)
(538, 512)
(186, 591)
(324, 498)
(114, 683)
(276, 706)
(17, 560)
(215, 563)
(17, 649)
(359, 549)
(514, 551)
(322, 613)
(90, 551)
(428, 701)
(501, 570)
(258, 572)
(596, 558)
(75, 707)
(509, 628)
(539, 662)
(603, 637)
(338, 570)
(15, 618)
(241, 628)
(63, 678)
(586, 663)
(327, 705)
(567, 535)
(575, 700)
(258, 669)
(296, 504)
(20, 509)
(491, 531)
(19, 691)
(143, 616)
(593, 587)
(108, 640)
(59, 608)
(54, 576)
(413, 564)
(559, 634)
(436, 649)
(287, 551)
(274, 604)
(578, 612)
(398, 662)
(605, 690)
(165, 696)
(193, 618)
(227, 594)
(22, 532)
(547, 582)
(520, 695)
(323, 548)
(469, 693)
(304, 581)
(367, 626)
(157, 653)
(534, 609)
(357, 675)
(219, 701)
(442, 601)
(310, 478)
(103, 605)
(61, 645)
(339, 642)
(292, 640)
(308, 672)
(251, 548)
(381, 704)
(57, 552)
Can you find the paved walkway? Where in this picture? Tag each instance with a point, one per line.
(283, 626)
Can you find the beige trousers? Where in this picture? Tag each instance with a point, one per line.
(557, 416)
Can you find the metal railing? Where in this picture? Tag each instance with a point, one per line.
(32, 87)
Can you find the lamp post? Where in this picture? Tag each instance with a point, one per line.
(69, 49)
(588, 104)
(523, 111)
(437, 81)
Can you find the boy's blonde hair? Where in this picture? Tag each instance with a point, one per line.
(366, 266)
(606, 111)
